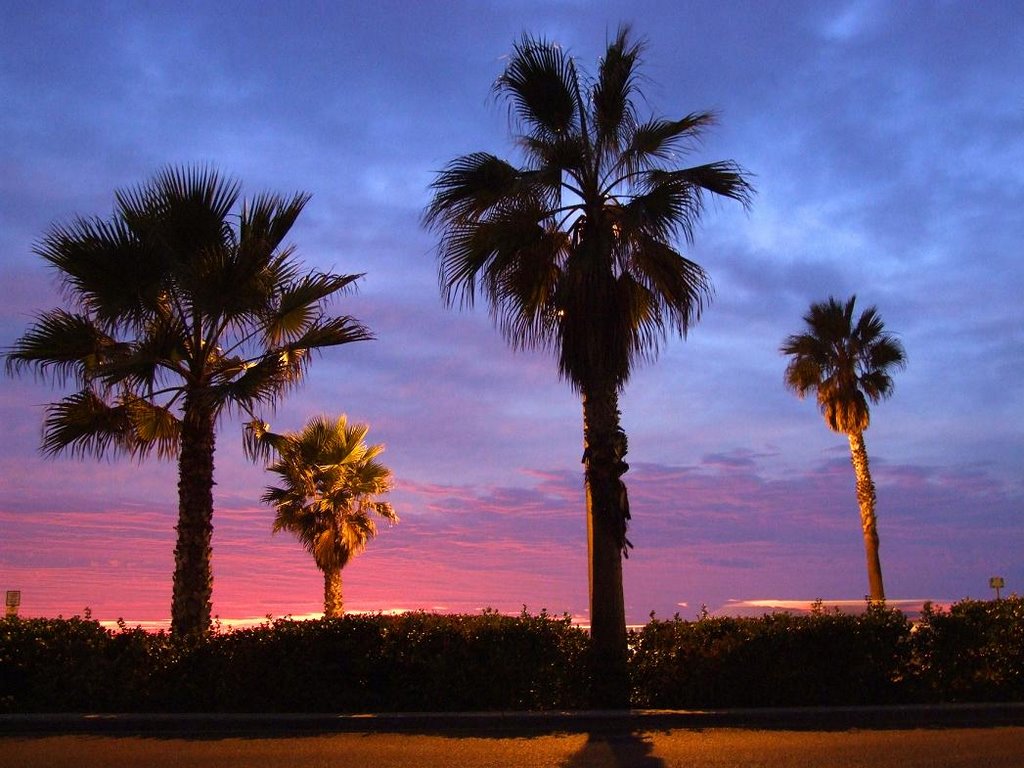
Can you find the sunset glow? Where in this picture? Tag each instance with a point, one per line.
(888, 163)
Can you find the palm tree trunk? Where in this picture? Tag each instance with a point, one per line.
(334, 607)
(604, 446)
(868, 522)
(193, 577)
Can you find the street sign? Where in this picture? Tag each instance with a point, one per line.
(13, 601)
(996, 583)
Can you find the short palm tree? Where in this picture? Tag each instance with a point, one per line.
(576, 251)
(181, 308)
(328, 497)
(848, 362)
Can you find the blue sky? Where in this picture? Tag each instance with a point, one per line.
(886, 142)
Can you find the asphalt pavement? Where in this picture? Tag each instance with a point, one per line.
(968, 736)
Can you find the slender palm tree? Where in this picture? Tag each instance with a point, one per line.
(847, 363)
(330, 484)
(180, 310)
(576, 250)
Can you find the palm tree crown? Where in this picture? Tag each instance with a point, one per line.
(328, 496)
(846, 362)
(180, 309)
(575, 250)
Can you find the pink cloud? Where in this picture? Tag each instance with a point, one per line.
(714, 533)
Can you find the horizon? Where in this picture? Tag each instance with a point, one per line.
(888, 155)
(912, 609)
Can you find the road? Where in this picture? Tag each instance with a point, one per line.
(948, 736)
(1001, 747)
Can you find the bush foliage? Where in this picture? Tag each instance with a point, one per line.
(428, 662)
(827, 658)
(410, 662)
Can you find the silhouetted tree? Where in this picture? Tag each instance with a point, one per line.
(180, 309)
(576, 251)
(847, 363)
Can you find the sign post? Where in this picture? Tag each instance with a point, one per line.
(13, 601)
(996, 583)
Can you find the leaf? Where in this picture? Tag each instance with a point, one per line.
(84, 424)
(299, 305)
(66, 345)
(155, 425)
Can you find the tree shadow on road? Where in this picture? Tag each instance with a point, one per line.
(615, 750)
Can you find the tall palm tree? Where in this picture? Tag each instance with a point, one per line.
(847, 363)
(181, 309)
(576, 250)
(328, 497)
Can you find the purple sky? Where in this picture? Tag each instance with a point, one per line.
(887, 141)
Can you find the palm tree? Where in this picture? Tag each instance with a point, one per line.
(576, 251)
(848, 363)
(330, 483)
(181, 310)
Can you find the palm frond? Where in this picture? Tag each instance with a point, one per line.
(244, 278)
(681, 192)
(328, 332)
(522, 283)
(282, 367)
(258, 442)
(679, 286)
(385, 510)
(803, 373)
(724, 178)
(876, 385)
(357, 532)
(188, 205)
(469, 187)
(260, 382)
(541, 86)
(612, 97)
(104, 268)
(661, 140)
(845, 409)
(85, 424)
(65, 346)
(267, 219)
(281, 499)
(155, 426)
(643, 321)
(299, 304)
(664, 206)
(886, 353)
(161, 350)
(554, 162)
(481, 254)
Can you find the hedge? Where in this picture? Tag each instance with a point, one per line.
(428, 662)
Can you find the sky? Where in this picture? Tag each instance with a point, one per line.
(886, 144)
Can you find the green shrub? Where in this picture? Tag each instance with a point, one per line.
(421, 661)
(973, 652)
(826, 658)
(409, 662)
(64, 665)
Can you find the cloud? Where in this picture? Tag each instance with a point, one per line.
(712, 534)
(887, 156)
